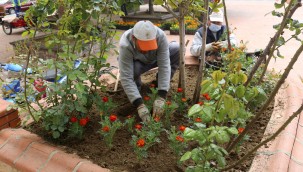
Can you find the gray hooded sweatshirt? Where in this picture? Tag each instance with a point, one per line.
(128, 54)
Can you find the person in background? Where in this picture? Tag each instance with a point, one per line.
(142, 48)
(215, 38)
(17, 5)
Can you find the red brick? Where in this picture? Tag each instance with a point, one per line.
(15, 123)
(61, 162)
(13, 115)
(34, 157)
(13, 149)
(90, 167)
(9, 117)
(4, 120)
(4, 126)
(3, 107)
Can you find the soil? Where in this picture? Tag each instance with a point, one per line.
(160, 157)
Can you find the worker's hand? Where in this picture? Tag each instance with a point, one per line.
(158, 107)
(144, 113)
(216, 46)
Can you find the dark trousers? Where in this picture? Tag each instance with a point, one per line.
(140, 68)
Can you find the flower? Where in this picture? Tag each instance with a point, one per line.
(206, 96)
(87, 118)
(200, 103)
(138, 126)
(240, 130)
(105, 128)
(179, 138)
(179, 90)
(152, 85)
(183, 99)
(105, 99)
(146, 98)
(140, 142)
(129, 116)
(73, 119)
(156, 118)
(112, 118)
(168, 103)
(182, 128)
(198, 119)
(83, 122)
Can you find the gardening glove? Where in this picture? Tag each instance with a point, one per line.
(216, 46)
(158, 107)
(144, 113)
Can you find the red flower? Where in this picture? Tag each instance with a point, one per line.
(83, 122)
(73, 119)
(206, 96)
(179, 138)
(105, 129)
(179, 90)
(146, 98)
(156, 118)
(138, 126)
(182, 128)
(140, 142)
(129, 116)
(87, 118)
(168, 103)
(152, 85)
(240, 130)
(200, 103)
(105, 99)
(183, 99)
(113, 118)
(198, 119)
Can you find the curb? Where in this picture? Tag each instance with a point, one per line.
(21, 150)
(285, 152)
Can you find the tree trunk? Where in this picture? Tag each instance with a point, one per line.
(182, 51)
(151, 7)
(201, 66)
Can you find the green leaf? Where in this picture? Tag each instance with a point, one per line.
(222, 137)
(221, 115)
(56, 134)
(221, 161)
(207, 114)
(240, 91)
(232, 130)
(61, 129)
(277, 6)
(189, 133)
(206, 86)
(218, 76)
(194, 110)
(186, 156)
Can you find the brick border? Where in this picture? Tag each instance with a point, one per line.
(21, 150)
(8, 118)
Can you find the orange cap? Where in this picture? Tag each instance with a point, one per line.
(145, 33)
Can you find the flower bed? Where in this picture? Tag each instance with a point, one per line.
(173, 26)
(121, 155)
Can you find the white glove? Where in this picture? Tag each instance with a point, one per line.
(144, 113)
(158, 107)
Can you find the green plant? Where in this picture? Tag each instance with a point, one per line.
(176, 141)
(146, 137)
(81, 36)
(109, 126)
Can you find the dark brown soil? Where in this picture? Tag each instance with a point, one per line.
(161, 158)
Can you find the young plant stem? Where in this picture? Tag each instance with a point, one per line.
(271, 98)
(201, 65)
(288, 14)
(294, 115)
(227, 28)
